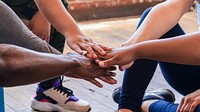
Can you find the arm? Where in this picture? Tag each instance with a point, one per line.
(58, 16)
(19, 66)
(22, 66)
(182, 49)
(161, 19)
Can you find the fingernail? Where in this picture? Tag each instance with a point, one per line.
(97, 61)
(101, 64)
(88, 55)
(113, 80)
(103, 52)
(94, 56)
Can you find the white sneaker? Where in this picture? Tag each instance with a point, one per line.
(58, 98)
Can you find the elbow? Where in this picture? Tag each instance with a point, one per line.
(6, 67)
(5, 74)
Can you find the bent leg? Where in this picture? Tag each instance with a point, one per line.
(13, 31)
(183, 78)
(137, 78)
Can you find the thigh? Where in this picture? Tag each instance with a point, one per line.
(183, 78)
(13, 31)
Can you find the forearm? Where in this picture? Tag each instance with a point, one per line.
(183, 49)
(58, 16)
(160, 19)
(21, 66)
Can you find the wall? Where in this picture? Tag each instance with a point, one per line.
(99, 9)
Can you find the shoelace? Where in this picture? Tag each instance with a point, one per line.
(63, 89)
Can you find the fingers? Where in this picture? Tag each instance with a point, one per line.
(98, 49)
(94, 49)
(193, 106)
(105, 47)
(112, 68)
(104, 57)
(77, 49)
(110, 74)
(95, 82)
(187, 107)
(121, 68)
(188, 104)
(108, 63)
(180, 105)
(108, 80)
(89, 49)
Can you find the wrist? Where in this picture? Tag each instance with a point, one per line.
(70, 63)
(135, 51)
(136, 39)
(72, 32)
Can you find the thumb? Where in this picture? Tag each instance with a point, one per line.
(107, 63)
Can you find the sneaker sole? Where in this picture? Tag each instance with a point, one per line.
(45, 106)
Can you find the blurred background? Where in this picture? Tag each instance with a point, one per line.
(111, 23)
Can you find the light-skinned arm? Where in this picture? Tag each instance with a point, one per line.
(59, 17)
(182, 50)
(160, 20)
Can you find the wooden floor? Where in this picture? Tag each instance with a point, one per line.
(111, 32)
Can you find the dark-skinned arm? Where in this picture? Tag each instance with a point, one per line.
(20, 66)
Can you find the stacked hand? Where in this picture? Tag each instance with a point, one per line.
(88, 70)
(189, 102)
(123, 57)
(82, 42)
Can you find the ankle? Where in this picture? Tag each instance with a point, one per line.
(146, 104)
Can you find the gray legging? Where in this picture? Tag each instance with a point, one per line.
(13, 31)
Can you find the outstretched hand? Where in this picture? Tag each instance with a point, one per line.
(120, 56)
(88, 70)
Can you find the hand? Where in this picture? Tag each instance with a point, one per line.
(81, 43)
(40, 27)
(88, 70)
(189, 102)
(120, 56)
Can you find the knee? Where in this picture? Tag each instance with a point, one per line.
(146, 12)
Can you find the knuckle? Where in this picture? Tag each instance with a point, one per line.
(93, 44)
(187, 99)
(116, 58)
(192, 106)
(184, 98)
(87, 46)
